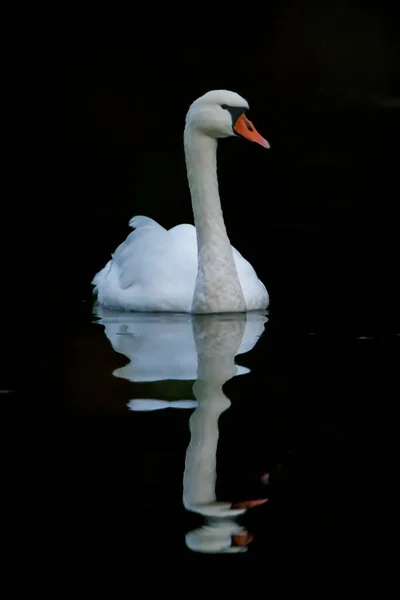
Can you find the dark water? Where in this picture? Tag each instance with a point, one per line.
(171, 425)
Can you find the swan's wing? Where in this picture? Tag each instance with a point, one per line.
(255, 294)
(151, 255)
(153, 269)
(138, 256)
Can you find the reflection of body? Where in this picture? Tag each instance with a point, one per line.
(162, 346)
(200, 348)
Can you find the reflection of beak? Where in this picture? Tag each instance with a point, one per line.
(242, 539)
(249, 503)
(246, 129)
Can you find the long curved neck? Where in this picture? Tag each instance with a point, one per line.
(217, 285)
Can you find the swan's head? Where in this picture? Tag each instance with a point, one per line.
(221, 113)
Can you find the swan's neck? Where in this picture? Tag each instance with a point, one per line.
(217, 286)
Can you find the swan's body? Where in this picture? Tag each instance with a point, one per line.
(155, 269)
(189, 269)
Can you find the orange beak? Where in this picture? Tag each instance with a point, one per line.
(246, 129)
(249, 503)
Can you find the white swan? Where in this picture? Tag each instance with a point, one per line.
(189, 269)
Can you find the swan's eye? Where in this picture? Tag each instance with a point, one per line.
(225, 106)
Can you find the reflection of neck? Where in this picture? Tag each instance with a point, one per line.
(217, 285)
(217, 342)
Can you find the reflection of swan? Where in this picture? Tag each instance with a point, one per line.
(217, 343)
(200, 348)
(162, 346)
(189, 269)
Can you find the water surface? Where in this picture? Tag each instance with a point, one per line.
(175, 428)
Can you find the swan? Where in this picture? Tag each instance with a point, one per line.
(189, 269)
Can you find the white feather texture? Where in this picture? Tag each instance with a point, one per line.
(190, 269)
